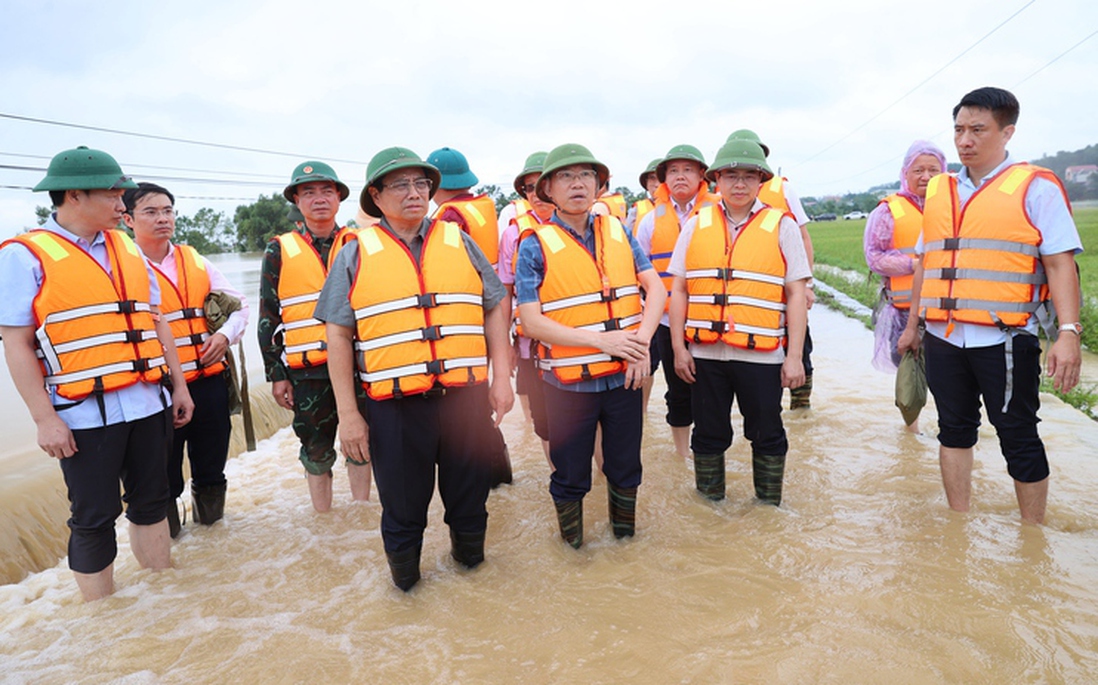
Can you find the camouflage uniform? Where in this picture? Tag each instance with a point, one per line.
(315, 418)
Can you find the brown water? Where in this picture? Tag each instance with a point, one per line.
(862, 576)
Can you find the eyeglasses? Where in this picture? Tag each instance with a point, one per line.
(422, 185)
(568, 176)
(528, 188)
(744, 178)
(152, 213)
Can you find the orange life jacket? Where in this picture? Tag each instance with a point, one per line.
(302, 277)
(615, 203)
(640, 210)
(772, 194)
(181, 305)
(579, 290)
(666, 231)
(95, 332)
(417, 325)
(736, 287)
(527, 222)
(981, 263)
(907, 221)
(480, 220)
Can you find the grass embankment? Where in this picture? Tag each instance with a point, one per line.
(838, 244)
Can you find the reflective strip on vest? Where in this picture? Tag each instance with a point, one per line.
(550, 364)
(733, 274)
(613, 324)
(736, 299)
(48, 351)
(432, 368)
(952, 274)
(105, 370)
(416, 301)
(722, 327)
(589, 298)
(90, 310)
(418, 335)
(983, 244)
(300, 299)
(952, 303)
(185, 313)
(303, 323)
(307, 347)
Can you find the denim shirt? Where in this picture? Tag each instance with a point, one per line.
(529, 273)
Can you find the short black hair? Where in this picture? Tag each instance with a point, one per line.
(57, 197)
(132, 195)
(1001, 103)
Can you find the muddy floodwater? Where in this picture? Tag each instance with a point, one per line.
(862, 576)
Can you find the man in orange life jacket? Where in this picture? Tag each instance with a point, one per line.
(526, 214)
(649, 181)
(87, 351)
(414, 313)
(998, 241)
(578, 282)
(779, 194)
(476, 215)
(186, 279)
(293, 343)
(738, 297)
(681, 192)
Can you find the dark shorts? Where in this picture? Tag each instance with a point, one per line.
(528, 382)
(135, 453)
(960, 376)
(679, 410)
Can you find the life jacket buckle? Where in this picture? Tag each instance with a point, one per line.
(127, 306)
(951, 244)
(432, 333)
(949, 303)
(436, 367)
(949, 273)
(427, 300)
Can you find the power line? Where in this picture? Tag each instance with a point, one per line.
(919, 85)
(154, 177)
(127, 165)
(170, 139)
(1055, 59)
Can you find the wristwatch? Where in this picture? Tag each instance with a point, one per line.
(1076, 328)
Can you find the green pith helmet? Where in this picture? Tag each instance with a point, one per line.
(740, 154)
(533, 165)
(84, 169)
(650, 169)
(307, 172)
(567, 155)
(688, 152)
(748, 134)
(453, 169)
(387, 161)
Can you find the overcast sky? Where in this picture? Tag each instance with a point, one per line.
(836, 89)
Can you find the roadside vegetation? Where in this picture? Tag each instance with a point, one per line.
(840, 263)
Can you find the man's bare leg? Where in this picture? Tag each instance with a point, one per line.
(681, 436)
(956, 464)
(320, 491)
(1032, 498)
(360, 477)
(95, 586)
(151, 545)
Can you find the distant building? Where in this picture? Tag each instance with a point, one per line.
(1080, 173)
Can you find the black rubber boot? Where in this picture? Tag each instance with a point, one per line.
(209, 502)
(404, 565)
(570, 517)
(709, 475)
(175, 526)
(801, 397)
(467, 549)
(623, 510)
(768, 473)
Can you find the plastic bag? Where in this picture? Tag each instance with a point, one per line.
(911, 386)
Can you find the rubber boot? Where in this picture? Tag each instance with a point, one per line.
(175, 526)
(768, 472)
(623, 510)
(800, 397)
(404, 565)
(570, 517)
(467, 549)
(208, 502)
(709, 475)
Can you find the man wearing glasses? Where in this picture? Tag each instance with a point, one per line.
(738, 298)
(90, 364)
(415, 313)
(186, 278)
(578, 282)
(294, 344)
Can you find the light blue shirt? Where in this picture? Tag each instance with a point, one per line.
(1049, 212)
(20, 280)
